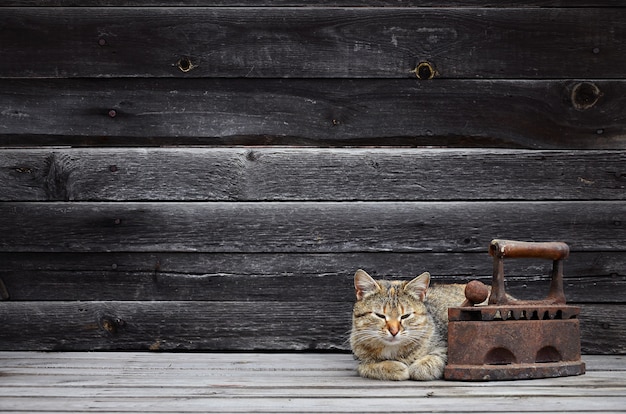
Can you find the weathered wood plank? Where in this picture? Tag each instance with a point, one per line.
(113, 363)
(147, 112)
(223, 174)
(199, 325)
(292, 364)
(296, 390)
(127, 378)
(232, 326)
(589, 277)
(602, 363)
(312, 42)
(600, 330)
(312, 227)
(322, 380)
(294, 404)
(245, 363)
(317, 3)
(282, 376)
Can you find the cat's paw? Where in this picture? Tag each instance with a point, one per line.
(427, 368)
(385, 370)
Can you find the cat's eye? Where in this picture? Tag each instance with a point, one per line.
(406, 315)
(380, 315)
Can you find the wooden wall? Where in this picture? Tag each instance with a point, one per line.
(177, 176)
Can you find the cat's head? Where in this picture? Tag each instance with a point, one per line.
(389, 313)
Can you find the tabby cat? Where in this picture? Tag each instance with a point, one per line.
(399, 328)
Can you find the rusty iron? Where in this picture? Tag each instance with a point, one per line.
(509, 339)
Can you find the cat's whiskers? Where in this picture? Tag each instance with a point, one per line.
(363, 336)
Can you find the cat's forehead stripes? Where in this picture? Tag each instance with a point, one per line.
(392, 287)
(392, 292)
(393, 309)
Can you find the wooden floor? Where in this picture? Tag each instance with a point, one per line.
(238, 382)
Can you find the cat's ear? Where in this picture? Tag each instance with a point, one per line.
(364, 284)
(418, 286)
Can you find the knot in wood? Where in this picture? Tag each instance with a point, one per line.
(585, 95)
(111, 324)
(425, 71)
(185, 65)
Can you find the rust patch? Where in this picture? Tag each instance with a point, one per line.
(512, 339)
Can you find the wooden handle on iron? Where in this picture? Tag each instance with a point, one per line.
(519, 249)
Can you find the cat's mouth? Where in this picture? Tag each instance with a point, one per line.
(392, 340)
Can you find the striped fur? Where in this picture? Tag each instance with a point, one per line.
(399, 328)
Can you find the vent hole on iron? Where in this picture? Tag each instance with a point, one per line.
(548, 354)
(500, 356)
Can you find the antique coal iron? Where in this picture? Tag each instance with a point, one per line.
(509, 339)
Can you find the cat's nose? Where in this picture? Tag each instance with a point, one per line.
(393, 329)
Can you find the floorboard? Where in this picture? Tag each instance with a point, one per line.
(130, 382)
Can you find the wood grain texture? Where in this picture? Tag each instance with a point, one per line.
(277, 382)
(317, 3)
(594, 277)
(288, 404)
(538, 114)
(233, 326)
(305, 42)
(243, 363)
(164, 326)
(238, 174)
(321, 227)
(125, 245)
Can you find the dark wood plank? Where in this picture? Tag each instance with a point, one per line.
(147, 112)
(203, 326)
(273, 174)
(589, 277)
(320, 227)
(317, 3)
(602, 330)
(313, 42)
(174, 325)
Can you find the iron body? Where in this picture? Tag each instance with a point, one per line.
(510, 339)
